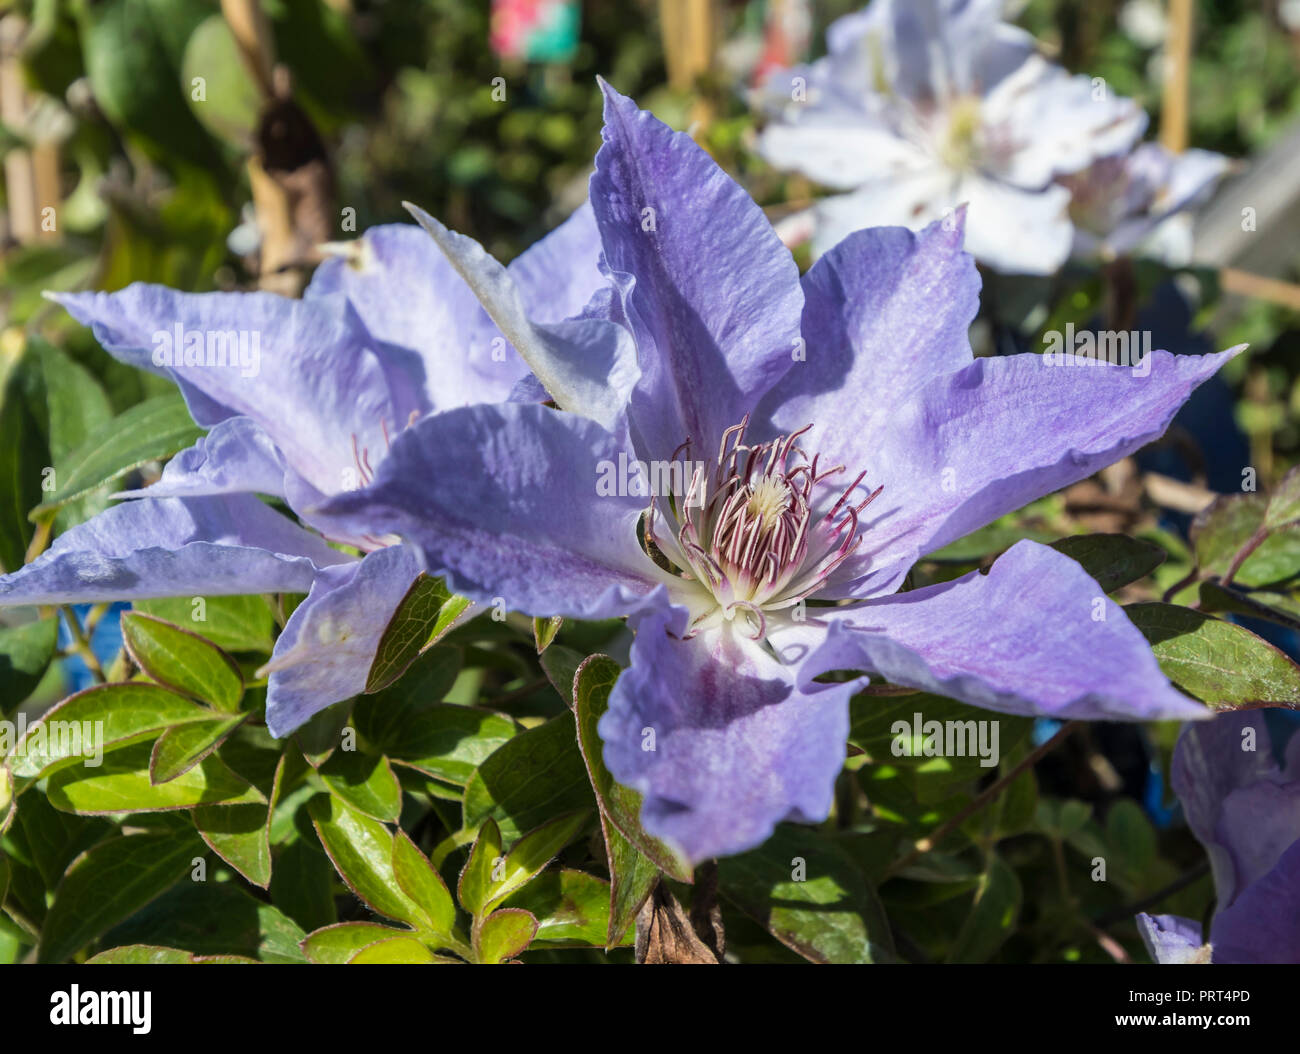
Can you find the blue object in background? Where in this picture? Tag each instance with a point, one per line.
(106, 642)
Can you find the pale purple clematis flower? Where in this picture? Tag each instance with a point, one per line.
(922, 105)
(810, 441)
(303, 399)
(1117, 203)
(1244, 807)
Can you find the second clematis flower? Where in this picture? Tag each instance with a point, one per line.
(386, 334)
(922, 105)
(1242, 801)
(789, 449)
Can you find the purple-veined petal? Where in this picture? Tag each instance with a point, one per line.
(1238, 803)
(168, 547)
(988, 439)
(884, 311)
(508, 501)
(715, 302)
(1036, 635)
(738, 746)
(1170, 939)
(327, 392)
(588, 365)
(237, 456)
(1263, 924)
(328, 645)
(409, 295)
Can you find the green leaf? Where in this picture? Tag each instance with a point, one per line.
(333, 945)
(503, 935)
(1217, 662)
(530, 779)
(214, 918)
(475, 883)
(810, 896)
(110, 882)
(633, 876)
(25, 654)
(241, 834)
(302, 885)
(571, 907)
(231, 105)
(23, 457)
(182, 747)
(122, 784)
(1114, 560)
(1263, 604)
(238, 834)
(420, 881)
(183, 661)
(443, 740)
(560, 664)
(53, 839)
(232, 623)
(75, 405)
(544, 631)
(148, 431)
(155, 955)
(361, 849)
(529, 855)
(365, 782)
(394, 951)
(993, 916)
(119, 714)
(427, 612)
(1220, 531)
(1284, 502)
(620, 806)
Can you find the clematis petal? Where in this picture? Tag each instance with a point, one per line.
(558, 274)
(1040, 219)
(988, 439)
(237, 456)
(588, 365)
(173, 547)
(1060, 122)
(409, 295)
(320, 385)
(841, 149)
(1036, 635)
(715, 302)
(1263, 924)
(1170, 939)
(884, 311)
(737, 746)
(328, 645)
(1238, 803)
(520, 511)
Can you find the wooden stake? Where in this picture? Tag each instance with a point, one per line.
(1178, 64)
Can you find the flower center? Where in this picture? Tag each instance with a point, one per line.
(760, 528)
(959, 148)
